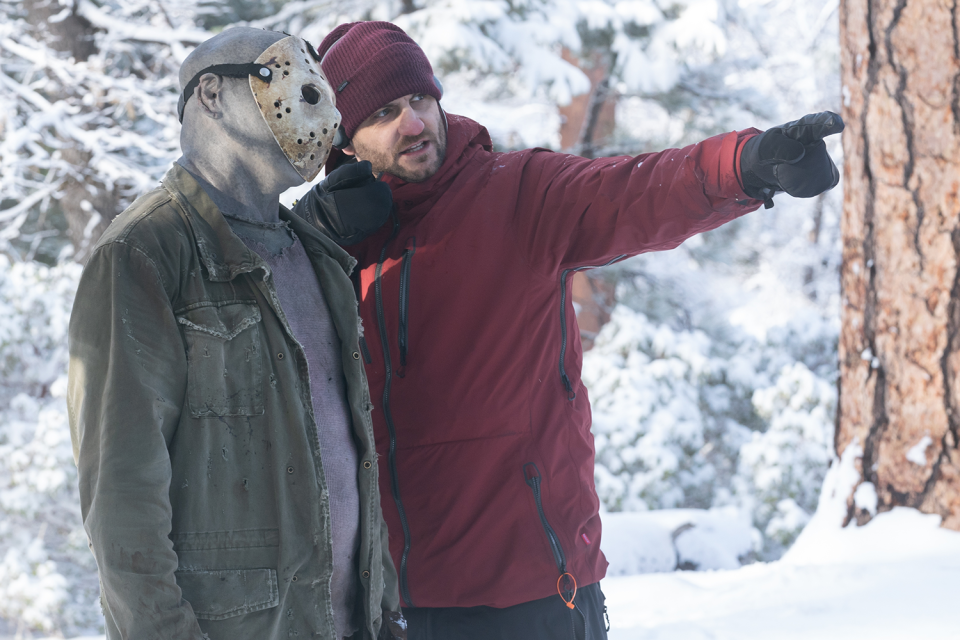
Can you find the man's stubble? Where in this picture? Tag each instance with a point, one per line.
(388, 162)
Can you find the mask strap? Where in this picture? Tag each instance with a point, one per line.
(260, 71)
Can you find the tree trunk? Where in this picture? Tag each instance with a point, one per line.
(900, 335)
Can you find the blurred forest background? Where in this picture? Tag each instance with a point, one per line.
(713, 368)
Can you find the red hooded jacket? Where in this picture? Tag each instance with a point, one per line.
(473, 354)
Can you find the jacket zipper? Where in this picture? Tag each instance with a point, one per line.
(365, 350)
(405, 301)
(531, 474)
(563, 320)
(392, 454)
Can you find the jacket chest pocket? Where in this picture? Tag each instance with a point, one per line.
(224, 363)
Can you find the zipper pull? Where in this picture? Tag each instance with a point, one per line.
(563, 588)
(531, 474)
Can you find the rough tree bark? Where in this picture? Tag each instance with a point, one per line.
(900, 335)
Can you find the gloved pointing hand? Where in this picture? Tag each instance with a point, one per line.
(349, 204)
(792, 158)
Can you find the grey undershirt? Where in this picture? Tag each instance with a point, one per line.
(305, 307)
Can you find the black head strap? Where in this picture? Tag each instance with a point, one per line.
(231, 71)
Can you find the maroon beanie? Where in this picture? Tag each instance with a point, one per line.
(370, 64)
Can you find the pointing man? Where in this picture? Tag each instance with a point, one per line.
(471, 345)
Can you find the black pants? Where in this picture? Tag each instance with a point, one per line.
(546, 619)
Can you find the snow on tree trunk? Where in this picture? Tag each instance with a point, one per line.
(900, 336)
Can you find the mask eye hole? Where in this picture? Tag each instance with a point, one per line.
(310, 94)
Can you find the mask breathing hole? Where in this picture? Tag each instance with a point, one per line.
(299, 140)
(310, 94)
(288, 109)
(313, 135)
(324, 130)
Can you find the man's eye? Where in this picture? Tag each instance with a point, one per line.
(383, 113)
(417, 97)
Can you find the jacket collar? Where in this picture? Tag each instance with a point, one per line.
(222, 253)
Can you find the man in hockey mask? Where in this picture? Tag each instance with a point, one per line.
(218, 404)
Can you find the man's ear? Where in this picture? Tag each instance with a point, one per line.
(349, 150)
(209, 95)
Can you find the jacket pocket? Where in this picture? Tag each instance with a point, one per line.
(224, 364)
(531, 474)
(216, 595)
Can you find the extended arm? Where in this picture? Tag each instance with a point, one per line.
(126, 384)
(587, 212)
(577, 212)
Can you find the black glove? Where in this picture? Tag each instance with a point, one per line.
(348, 205)
(791, 158)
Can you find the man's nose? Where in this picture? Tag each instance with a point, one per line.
(410, 123)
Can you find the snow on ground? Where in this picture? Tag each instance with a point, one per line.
(892, 579)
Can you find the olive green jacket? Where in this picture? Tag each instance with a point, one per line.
(201, 484)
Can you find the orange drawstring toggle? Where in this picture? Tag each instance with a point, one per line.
(561, 591)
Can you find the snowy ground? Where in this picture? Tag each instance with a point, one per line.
(892, 579)
(895, 578)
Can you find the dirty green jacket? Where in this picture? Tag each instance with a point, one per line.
(201, 484)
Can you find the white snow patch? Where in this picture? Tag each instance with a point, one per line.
(918, 452)
(865, 497)
(662, 540)
(894, 578)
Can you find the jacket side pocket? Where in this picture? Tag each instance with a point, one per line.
(216, 595)
(224, 364)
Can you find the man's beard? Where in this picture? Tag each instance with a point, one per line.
(389, 162)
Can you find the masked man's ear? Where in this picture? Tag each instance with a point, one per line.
(349, 150)
(209, 95)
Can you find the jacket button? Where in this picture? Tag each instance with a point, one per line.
(356, 355)
(289, 469)
(279, 356)
(367, 464)
(365, 574)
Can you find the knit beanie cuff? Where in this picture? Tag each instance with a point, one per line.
(370, 64)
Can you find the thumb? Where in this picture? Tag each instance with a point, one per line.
(349, 176)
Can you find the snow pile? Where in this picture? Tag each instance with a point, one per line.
(47, 574)
(894, 578)
(676, 539)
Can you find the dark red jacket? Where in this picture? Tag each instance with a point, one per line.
(482, 424)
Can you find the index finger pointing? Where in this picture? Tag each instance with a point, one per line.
(813, 127)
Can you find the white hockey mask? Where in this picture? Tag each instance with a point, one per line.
(297, 103)
(294, 98)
